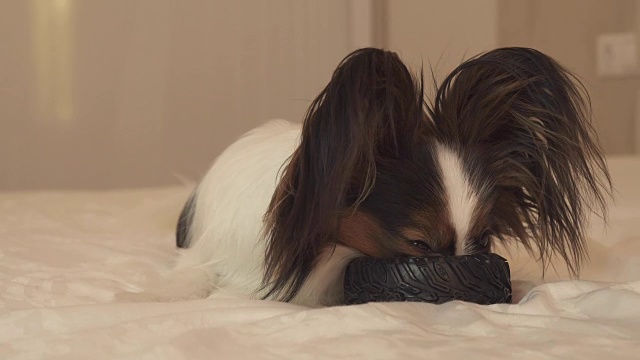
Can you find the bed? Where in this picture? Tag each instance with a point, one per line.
(63, 256)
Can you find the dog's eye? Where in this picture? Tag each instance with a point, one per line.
(421, 245)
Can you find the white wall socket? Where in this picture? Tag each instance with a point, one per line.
(616, 55)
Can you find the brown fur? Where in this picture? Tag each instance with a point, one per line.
(365, 234)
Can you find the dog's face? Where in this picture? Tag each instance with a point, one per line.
(432, 203)
(504, 151)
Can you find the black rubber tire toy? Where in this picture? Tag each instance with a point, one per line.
(482, 279)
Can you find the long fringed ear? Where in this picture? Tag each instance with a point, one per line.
(532, 119)
(371, 109)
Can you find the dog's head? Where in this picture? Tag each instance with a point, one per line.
(505, 150)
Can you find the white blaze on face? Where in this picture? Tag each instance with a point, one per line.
(461, 198)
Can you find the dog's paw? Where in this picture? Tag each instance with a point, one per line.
(187, 284)
(133, 297)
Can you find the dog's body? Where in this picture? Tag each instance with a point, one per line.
(236, 192)
(505, 153)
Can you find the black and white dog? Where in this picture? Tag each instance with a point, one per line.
(505, 152)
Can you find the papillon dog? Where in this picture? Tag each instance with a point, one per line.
(505, 151)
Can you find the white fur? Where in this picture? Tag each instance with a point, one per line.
(225, 235)
(462, 200)
(226, 245)
(324, 284)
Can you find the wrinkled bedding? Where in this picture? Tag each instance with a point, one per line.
(63, 255)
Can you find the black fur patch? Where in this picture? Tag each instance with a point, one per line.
(184, 222)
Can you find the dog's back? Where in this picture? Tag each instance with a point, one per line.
(221, 223)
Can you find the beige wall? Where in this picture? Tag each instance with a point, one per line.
(566, 30)
(439, 34)
(443, 33)
(97, 94)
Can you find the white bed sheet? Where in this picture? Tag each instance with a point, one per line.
(64, 254)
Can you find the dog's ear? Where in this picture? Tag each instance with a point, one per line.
(532, 117)
(372, 109)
